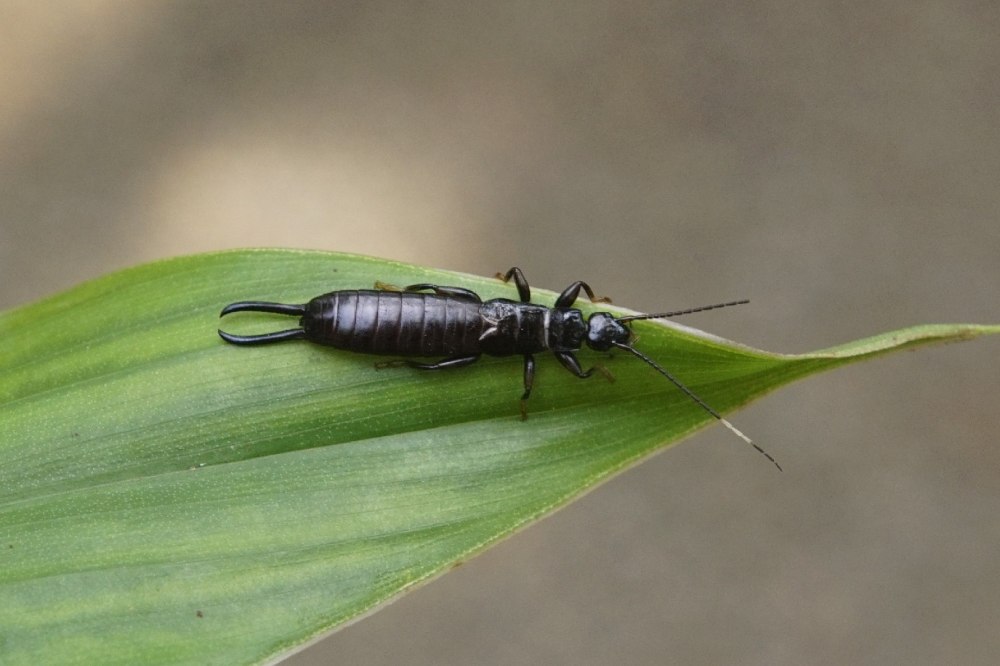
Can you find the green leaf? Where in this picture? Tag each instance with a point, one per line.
(168, 498)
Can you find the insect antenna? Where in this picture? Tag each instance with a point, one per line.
(260, 306)
(689, 393)
(664, 315)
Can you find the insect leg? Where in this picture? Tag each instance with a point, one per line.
(454, 292)
(571, 363)
(454, 362)
(570, 293)
(529, 380)
(523, 290)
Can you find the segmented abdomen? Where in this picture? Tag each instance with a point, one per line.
(399, 323)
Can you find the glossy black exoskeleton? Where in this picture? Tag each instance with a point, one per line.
(457, 326)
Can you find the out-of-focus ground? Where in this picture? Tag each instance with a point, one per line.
(837, 163)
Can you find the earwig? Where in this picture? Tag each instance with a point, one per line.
(457, 326)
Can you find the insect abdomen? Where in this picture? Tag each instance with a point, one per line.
(394, 322)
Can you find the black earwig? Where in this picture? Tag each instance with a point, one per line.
(456, 324)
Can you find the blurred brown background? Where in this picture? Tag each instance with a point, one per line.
(835, 162)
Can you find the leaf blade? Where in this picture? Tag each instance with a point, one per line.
(167, 497)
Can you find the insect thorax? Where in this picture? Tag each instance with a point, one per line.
(510, 327)
(566, 329)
